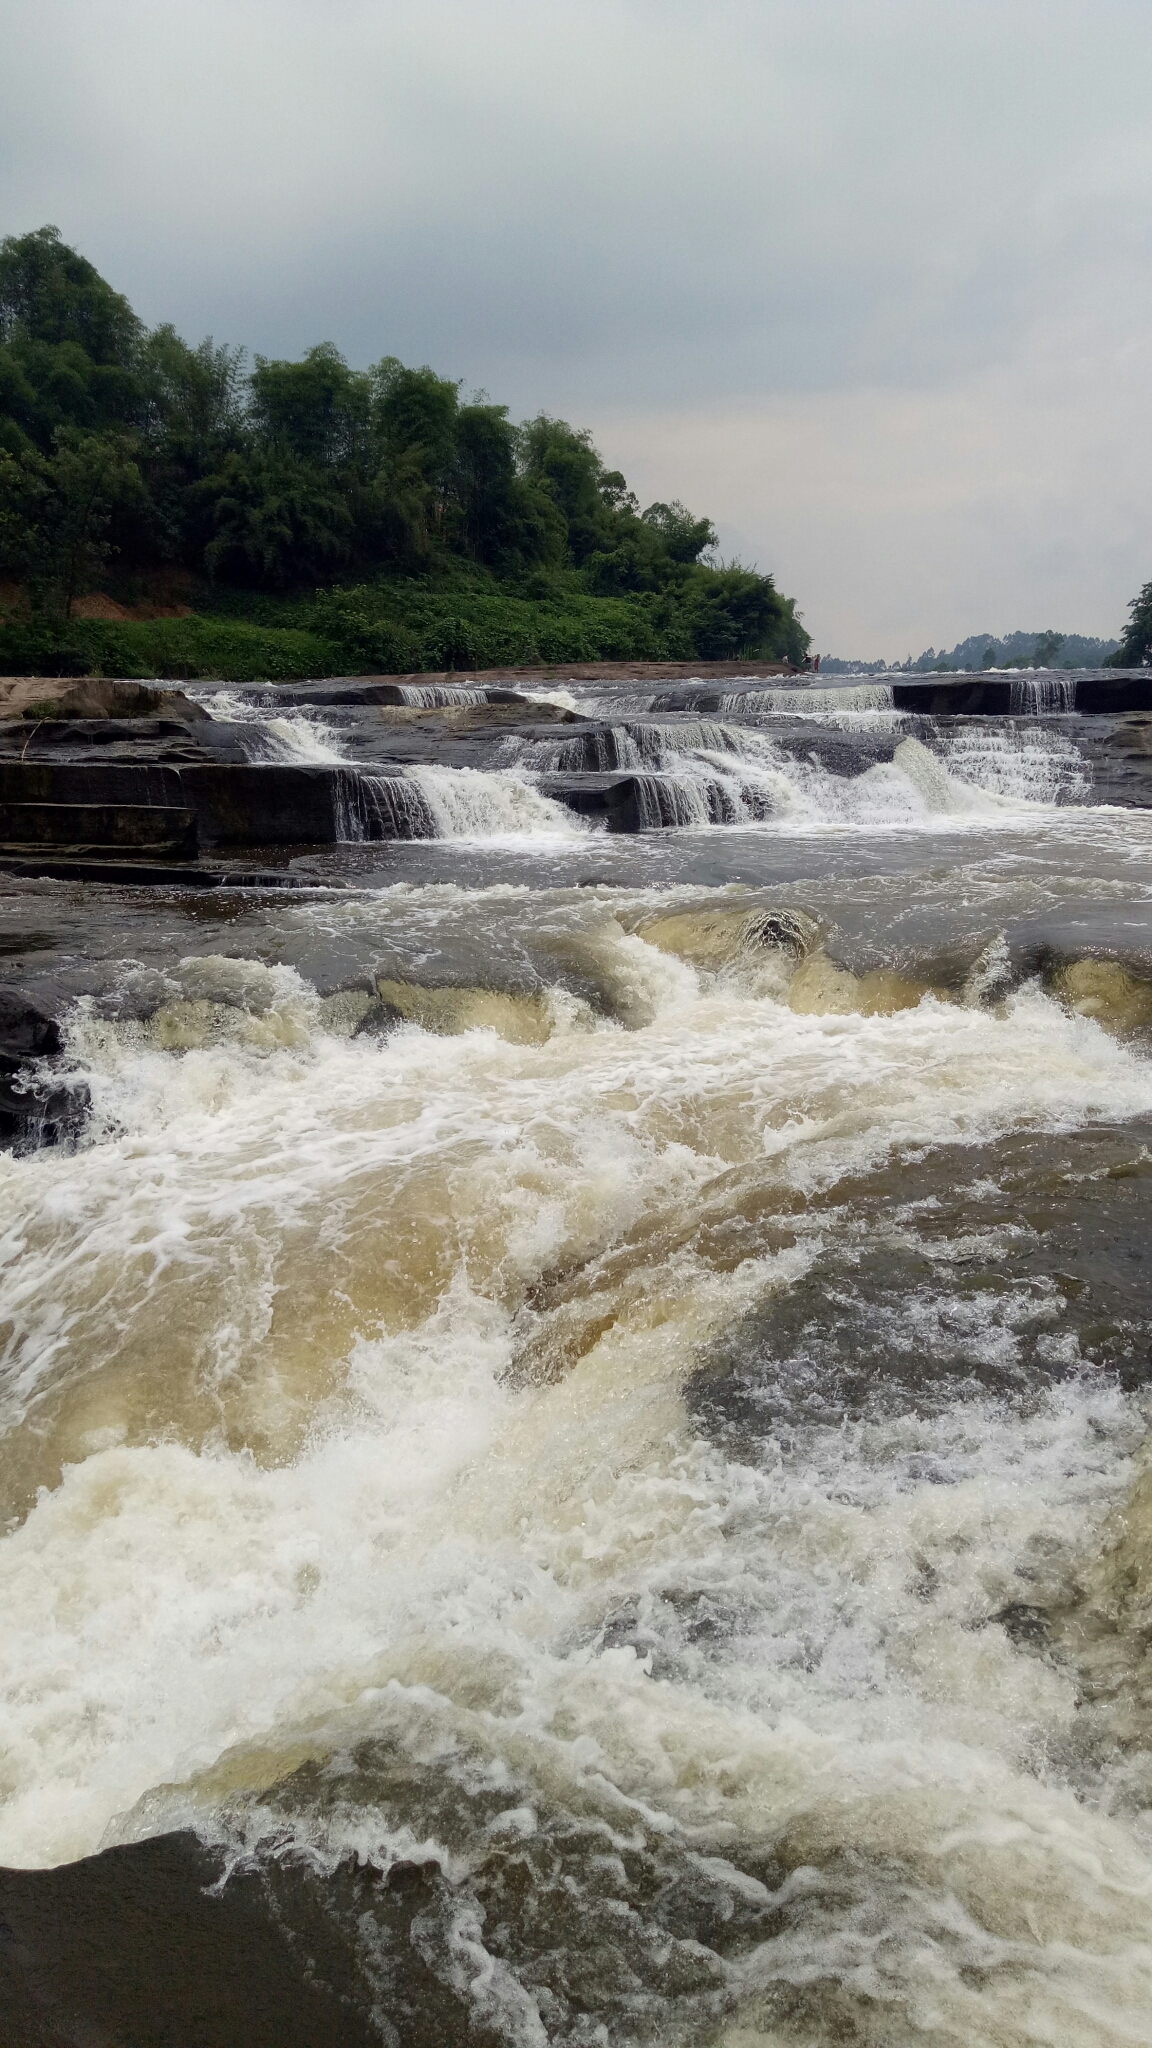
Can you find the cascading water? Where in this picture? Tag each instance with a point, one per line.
(370, 807)
(1043, 696)
(1020, 762)
(807, 702)
(644, 746)
(439, 696)
(575, 1422)
(269, 734)
(467, 804)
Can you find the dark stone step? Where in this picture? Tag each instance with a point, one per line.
(998, 695)
(72, 867)
(234, 803)
(36, 1108)
(613, 797)
(158, 829)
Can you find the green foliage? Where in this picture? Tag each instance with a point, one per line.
(69, 344)
(317, 411)
(685, 538)
(51, 295)
(275, 520)
(1135, 649)
(455, 538)
(56, 514)
(175, 648)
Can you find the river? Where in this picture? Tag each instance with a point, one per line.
(575, 1424)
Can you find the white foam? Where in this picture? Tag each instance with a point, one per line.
(1025, 764)
(440, 696)
(275, 735)
(214, 1164)
(467, 803)
(322, 1511)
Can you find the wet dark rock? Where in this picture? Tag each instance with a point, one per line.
(403, 694)
(35, 1108)
(25, 1030)
(36, 1111)
(147, 1945)
(1001, 695)
(232, 803)
(156, 829)
(154, 787)
(1063, 1219)
(378, 1020)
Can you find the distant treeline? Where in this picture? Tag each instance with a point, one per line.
(127, 455)
(1047, 649)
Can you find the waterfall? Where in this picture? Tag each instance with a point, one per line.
(372, 807)
(810, 702)
(1028, 764)
(663, 800)
(438, 696)
(614, 747)
(1037, 696)
(469, 803)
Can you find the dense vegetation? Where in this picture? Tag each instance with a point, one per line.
(317, 517)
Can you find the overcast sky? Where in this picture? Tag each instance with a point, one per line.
(868, 281)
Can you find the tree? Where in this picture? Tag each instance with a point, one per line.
(56, 514)
(194, 402)
(1135, 649)
(685, 538)
(501, 518)
(566, 464)
(415, 415)
(735, 611)
(117, 442)
(275, 520)
(72, 343)
(1047, 647)
(317, 410)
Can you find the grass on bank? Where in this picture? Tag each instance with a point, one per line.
(394, 626)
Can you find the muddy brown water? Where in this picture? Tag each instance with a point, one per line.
(575, 1425)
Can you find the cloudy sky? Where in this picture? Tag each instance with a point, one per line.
(869, 281)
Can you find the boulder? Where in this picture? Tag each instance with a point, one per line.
(26, 1032)
(51, 697)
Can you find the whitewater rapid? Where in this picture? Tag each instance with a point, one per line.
(596, 1399)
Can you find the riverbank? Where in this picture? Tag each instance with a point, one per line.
(395, 625)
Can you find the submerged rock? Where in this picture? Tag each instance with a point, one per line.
(520, 1019)
(716, 938)
(821, 989)
(149, 1944)
(1104, 989)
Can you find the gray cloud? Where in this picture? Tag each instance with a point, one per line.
(650, 214)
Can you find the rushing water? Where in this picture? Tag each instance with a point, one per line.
(581, 1406)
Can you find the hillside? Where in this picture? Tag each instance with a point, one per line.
(167, 510)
